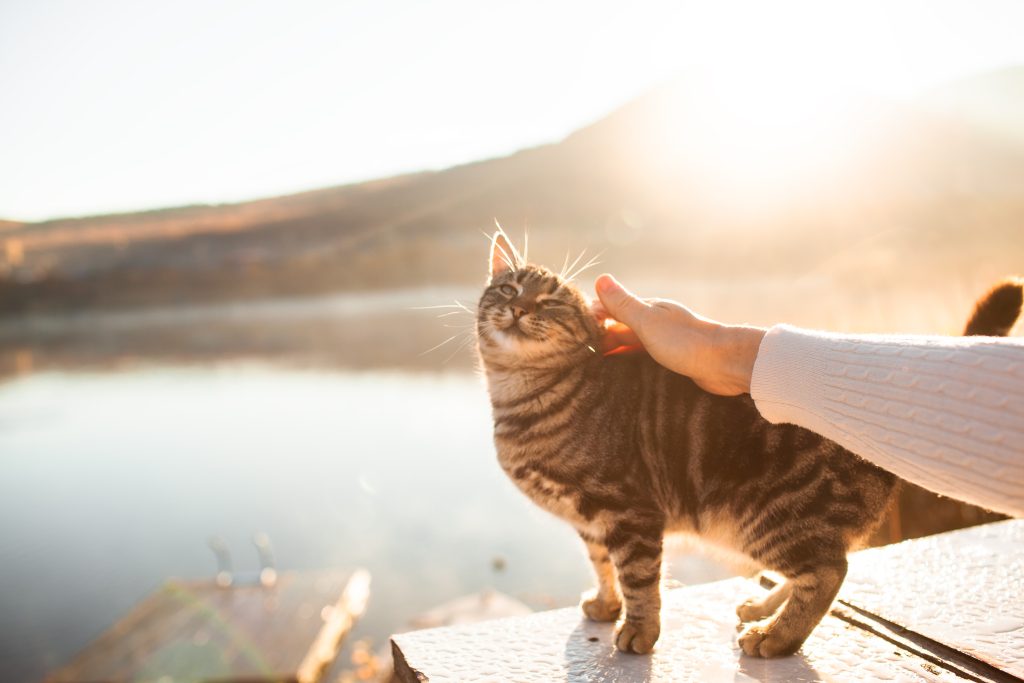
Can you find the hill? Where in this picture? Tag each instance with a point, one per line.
(662, 185)
(993, 101)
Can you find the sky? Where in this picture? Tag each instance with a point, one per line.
(125, 105)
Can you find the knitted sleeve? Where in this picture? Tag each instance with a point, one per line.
(946, 413)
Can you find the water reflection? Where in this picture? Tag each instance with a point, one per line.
(113, 482)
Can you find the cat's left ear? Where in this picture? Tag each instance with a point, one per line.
(504, 256)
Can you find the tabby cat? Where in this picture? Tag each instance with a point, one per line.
(627, 451)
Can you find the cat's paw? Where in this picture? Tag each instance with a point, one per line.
(637, 636)
(755, 609)
(761, 640)
(600, 609)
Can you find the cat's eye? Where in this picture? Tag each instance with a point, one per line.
(548, 303)
(508, 290)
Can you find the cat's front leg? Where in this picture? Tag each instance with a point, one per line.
(604, 602)
(635, 546)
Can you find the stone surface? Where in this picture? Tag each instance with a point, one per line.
(964, 589)
(698, 643)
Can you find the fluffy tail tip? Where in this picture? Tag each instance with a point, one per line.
(996, 313)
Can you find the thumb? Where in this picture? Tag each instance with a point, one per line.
(620, 303)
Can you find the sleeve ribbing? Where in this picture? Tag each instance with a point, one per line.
(946, 413)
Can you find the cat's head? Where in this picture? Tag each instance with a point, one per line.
(529, 313)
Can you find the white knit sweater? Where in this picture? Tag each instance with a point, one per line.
(946, 413)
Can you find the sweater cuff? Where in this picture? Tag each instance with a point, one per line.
(787, 381)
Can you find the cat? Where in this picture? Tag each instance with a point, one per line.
(627, 451)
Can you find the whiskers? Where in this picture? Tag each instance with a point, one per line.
(455, 318)
(570, 271)
(457, 304)
(467, 338)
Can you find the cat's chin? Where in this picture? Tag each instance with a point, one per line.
(513, 338)
(514, 341)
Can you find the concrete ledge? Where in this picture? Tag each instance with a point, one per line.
(698, 643)
(941, 608)
(964, 589)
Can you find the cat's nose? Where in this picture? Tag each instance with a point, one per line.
(518, 311)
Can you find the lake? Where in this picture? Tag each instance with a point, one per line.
(114, 481)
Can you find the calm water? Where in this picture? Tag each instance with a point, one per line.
(112, 483)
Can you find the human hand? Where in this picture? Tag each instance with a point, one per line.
(719, 358)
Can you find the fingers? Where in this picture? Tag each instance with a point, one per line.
(617, 334)
(619, 302)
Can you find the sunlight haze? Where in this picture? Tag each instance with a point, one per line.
(117, 106)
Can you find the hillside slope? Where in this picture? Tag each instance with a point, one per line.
(914, 195)
(993, 101)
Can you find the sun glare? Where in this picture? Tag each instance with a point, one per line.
(766, 131)
(770, 123)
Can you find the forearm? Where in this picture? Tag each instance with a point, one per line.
(944, 413)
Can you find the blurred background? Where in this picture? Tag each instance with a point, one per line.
(222, 222)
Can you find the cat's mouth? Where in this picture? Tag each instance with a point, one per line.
(514, 330)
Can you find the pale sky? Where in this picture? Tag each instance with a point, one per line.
(118, 105)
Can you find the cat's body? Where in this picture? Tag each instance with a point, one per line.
(627, 452)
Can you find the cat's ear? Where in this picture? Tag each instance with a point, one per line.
(504, 256)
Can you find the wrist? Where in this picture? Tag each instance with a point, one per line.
(737, 347)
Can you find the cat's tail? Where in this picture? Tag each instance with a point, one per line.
(996, 312)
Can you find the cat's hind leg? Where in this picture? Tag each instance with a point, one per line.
(604, 602)
(813, 591)
(765, 605)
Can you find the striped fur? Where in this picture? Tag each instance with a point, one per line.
(627, 451)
